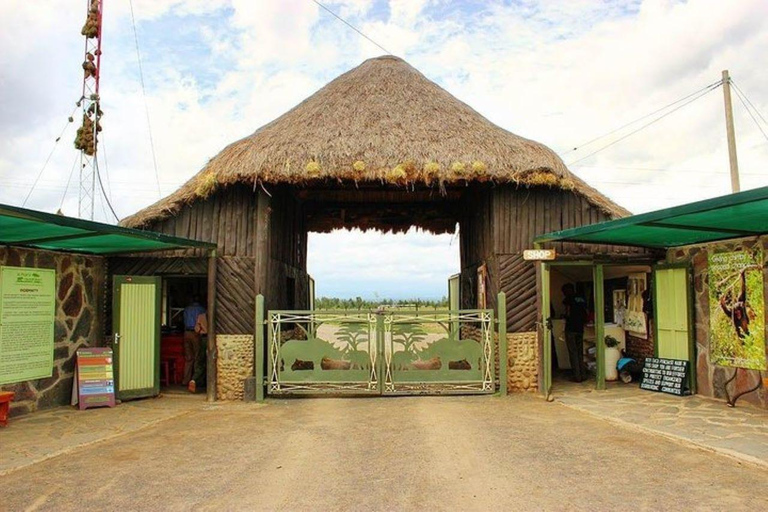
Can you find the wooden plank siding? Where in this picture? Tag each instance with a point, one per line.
(499, 223)
(229, 218)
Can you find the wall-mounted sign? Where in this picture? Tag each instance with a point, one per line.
(665, 375)
(27, 311)
(539, 254)
(95, 378)
(737, 309)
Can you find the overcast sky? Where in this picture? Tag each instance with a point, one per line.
(560, 72)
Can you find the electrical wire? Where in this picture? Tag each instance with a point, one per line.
(738, 89)
(351, 26)
(106, 165)
(144, 95)
(70, 119)
(749, 111)
(71, 173)
(103, 192)
(587, 143)
(656, 169)
(646, 125)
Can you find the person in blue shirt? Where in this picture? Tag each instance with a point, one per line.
(191, 341)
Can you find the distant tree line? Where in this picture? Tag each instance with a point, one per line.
(365, 304)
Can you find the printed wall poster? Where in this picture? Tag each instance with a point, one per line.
(737, 309)
(27, 309)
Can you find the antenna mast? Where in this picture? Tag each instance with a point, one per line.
(86, 139)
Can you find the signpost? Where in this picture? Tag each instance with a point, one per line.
(539, 254)
(666, 375)
(27, 311)
(95, 378)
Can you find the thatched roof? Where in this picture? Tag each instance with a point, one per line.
(382, 122)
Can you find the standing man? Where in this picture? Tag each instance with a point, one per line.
(201, 328)
(191, 339)
(575, 318)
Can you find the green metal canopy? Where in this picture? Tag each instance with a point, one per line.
(30, 228)
(733, 216)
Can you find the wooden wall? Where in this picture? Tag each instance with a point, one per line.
(288, 252)
(499, 223)
(229, 219)
(226, 218)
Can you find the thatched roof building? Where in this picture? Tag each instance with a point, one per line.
(380, 147)
(382, 123)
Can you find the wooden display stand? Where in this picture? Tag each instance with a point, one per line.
(6, 397)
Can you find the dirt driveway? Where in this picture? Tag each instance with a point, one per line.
(430, 453)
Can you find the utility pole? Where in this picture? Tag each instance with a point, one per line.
(735, 187)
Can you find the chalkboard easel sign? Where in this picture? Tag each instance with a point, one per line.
(666, 376)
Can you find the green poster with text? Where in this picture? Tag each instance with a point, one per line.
(27, 311)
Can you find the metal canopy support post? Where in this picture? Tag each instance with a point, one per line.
(259, 349)
(545, 337)
(211, 348)
(503, 351)
(599, 325)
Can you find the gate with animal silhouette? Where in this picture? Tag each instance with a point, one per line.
(382, 352)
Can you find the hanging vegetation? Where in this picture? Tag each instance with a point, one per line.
(85, 140)
(91, 27)
(89, 66)
(313, 169)
(207, 185)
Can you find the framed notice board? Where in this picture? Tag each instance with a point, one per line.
(27, 312)
(95, 378)
(666, 375)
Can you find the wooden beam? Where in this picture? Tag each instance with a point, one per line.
(211, 352)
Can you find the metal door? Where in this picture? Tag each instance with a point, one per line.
(136, 335)
(672, 307)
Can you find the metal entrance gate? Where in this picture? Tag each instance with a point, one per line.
(387, 352)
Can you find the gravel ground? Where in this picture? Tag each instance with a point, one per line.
(417, 453)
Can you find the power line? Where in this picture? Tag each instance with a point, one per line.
(103, 192)
(106, 165)
(750, 103)
(351, 26)
(646, 125)
(144, 95)
(587, 143)
(53, 149)
(657, 169)
(71, 173)
(749, 111)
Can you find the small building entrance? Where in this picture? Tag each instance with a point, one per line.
(620, 306)
(159, 326)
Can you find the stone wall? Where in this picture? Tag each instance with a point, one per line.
(79, 292)
(711, 378)
(234, 363)
(522, 362)
(522, 358)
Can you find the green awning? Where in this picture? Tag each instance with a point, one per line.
(30, 228)
(733, 216)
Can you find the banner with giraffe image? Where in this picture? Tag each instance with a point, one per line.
(737, 309)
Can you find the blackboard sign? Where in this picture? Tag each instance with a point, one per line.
(95, 378)
(666, 376)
